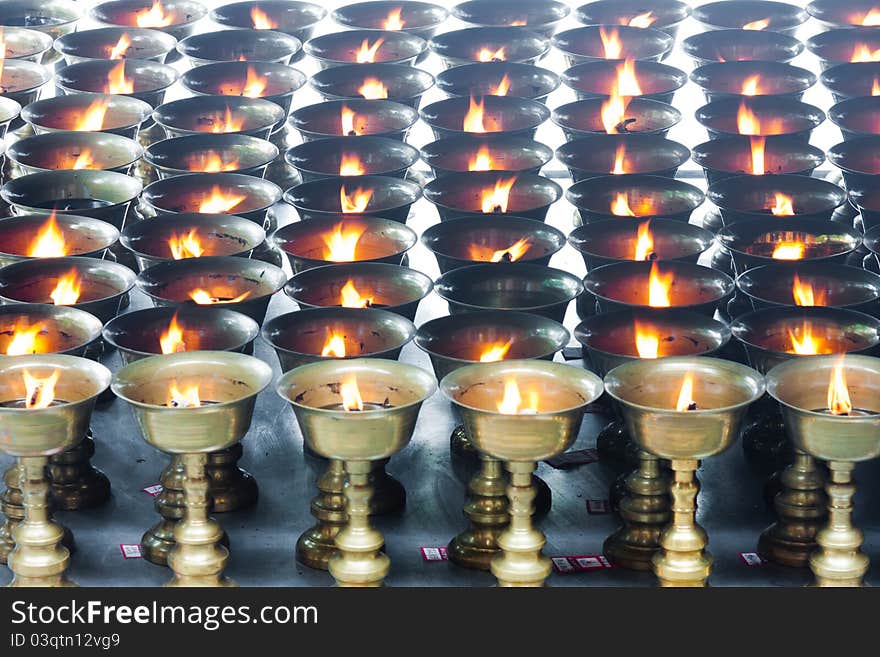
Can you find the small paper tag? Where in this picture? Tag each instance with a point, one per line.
(130, 551)
(434, 553)
(580, 564)
(573, 459)
(153, 490)
(752, 558)
(598, 507)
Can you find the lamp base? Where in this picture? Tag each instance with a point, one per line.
(317, 544)
(231, 488)
(486, 508)
(76, 483)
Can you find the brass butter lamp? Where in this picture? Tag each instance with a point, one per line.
(46, 401)
(521, 412)
(683, 409)
(357, 411)
(190, 404)
(831, 412)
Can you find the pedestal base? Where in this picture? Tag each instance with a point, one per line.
(231, 488)
(76, 483)
(486, 508)
(317, 544)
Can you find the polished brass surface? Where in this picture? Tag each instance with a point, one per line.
(317, 544)
(231, 487)
(357, 561)
(75, 482)
(158, 540)
(487, 511)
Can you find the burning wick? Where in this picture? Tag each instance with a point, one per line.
(117, 83)
(503, 86)
(647, 341)
(838, 400)
(496, 199)
(254, 85)
(512, 402)
(806, 344)
(24, 339)
(67, 289)
(49, 242)
(334, 347)
(750, 85)
(358, 200)
(611, 43)
(351, 395)
(473, 120)
(644, 243)
(511, 254)
(204, 298)
(185, 246)
(367, 53)
(261, 20)
(373, 89)
(495, 352)
(659, 287)
(171, 341)
(347, 122)
(762, 24)
(805, 295)
(686, 394)
(39, 392)
(341, 245)
(487, 55)
(155, 16)
(186, 398)
(118, 51)
(783, 205)
(482, 160)
(350, 165)
(393, 21)
(351, 298)
(643, 20)
(757, 145)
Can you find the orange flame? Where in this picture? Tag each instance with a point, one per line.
(261, 20)
(495, 352)
(342, 242)
(747, 122)
(613, 111)
(117, 83)
(351, 298)
(205, 298)
(806, 344)
(373, 89)
(685, 400)
(393, 21)
(224, 124)
(25, 339)
(518, 23)
(118, 51)
(782, 206)
(347, 121)
(84, 160)
(805, 295)
(751, 85)
(487, 55)
(334, 346)
(838, 400)
(870, 19)
(218, 201)
(789, 251)
(863, 53)
(210, 162)
(93, 118)
(367, 53)
(647, 341)
(758, 145)
(188, 397)
(67, 289)
(644, 242)
(496, 199)
(511, 254)
(481, 160)
(611, 43)
(619, 160)
(185, 246)
(155, 16)
(351, 395)
(503, 86)
(762, 24)
(875, 88)
(643, 20)
(49, 242)
(171, 340)
(512, 402)
(627, 82)
(351, 165)
(254, 84)
(39, 392)
(620, 206)
(358, 200)
(659, 287)
(473, 120)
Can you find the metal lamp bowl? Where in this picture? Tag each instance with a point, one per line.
(565, 391)
(857, 162)
(482, 79)
(59, 150)
(732, 156)
(394, 288)
(584, 44)
(234, 44)
(376, 118)
(451, 240)
(124, 114)
(419, 18)
(229, 380)
(197, 115)
(341, 47)
(64, 330)
(725, 79)
(850, 80)
(669, 198)
(293, 17)
(379, 156)
(589, 157)
(169, 283)
(795, 119)
(24, 43)
(836, 46)
(185, 13)
(583, 118)
(48, 431)
(647, 389)
(508, 153)
(458, 194)
(83, 236)
(783, 17)
(613, 240)
(502, 115)
(751, 197)
(839, 13)
(383, 240)
(454, 341)
(104, 283)
(137, 334)
(856, 117)
(218, 234)
(53, 17)
(102, 195)
(150, 79)
(403, 84)
(595, 79)
(667, 13)
(458, 47)
(741, 45)
(174, 157)
(9, 111)
(23, 80)
(98, 43)
(542, 16)
(320, 199)
(313, 391)
(300, 337)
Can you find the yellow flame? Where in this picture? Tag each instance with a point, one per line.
(750, 86)
(627, 82)
(347, 121)
(783, 205)
(611, 43)
(373, 89)
(512, 401)
(512, 253)
(67, 289)
(358, 200)
(210, 162)
(806, 344)
(789, 251)
(747, 122)
(394, 21)
(188, 397)
(647, 341)
(155, 16)
(644, 242)
(758, 146)
(39, 392)
(351, 165)
(334, 346)
(613, 112)
(870, 19)
(118, 51)
(686, 400)
(25, 339)
(659, 287)
(619, 160)
(481, 160)
(620, 206)
(49, 242)
(117, 83)
(838, 399)
(185, 246)
(487, 55)
(254, 84)
(367, 52)
(204, 298)
(351, 394)
(351, 298)
(93, 118)
(503, 86)
(218, 201)
(473, 120)
(261, 20)
(863, 53)
(497, 198)
(171, 340)
(495, 352)
(643, 20)
(762, 24)
(805, 295)
(341, 243)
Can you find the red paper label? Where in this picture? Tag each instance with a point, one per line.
(153, 490)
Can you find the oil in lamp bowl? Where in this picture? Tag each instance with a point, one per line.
(474, 240)
(99, 43)
(83, 236)
(751, 197)
(192, 192)
(590, 157)
(647, 390)
(839, 46)
(596, 79)
(293, 17)
(477, 44)
(738, 45)
(502, 115)
(376, 118)
(841, 13)
(343, 47)
(226, 278)
(625, 285)
(24, 43)
(9, 112)
(732, 156)
(104, 283)
(585, 44)
(51, 151)
(506, 153)
(754, 242)
(138, 334)
(52, 17)
(801, 388)
(509, 286)
(460, 194)
(454, 341)
(646, 196)
(484, 78)
(237, 153)
(777, 116)
(239, 44)
(390, 287)
(780, 16)
(184, 15)
(419, 18)
(583, 118)
(63, 330)
(150, 80)
(836, 286)
(851, 80)
(382, 428)
(399, 83)
(610, 339)
(727, 79)
(857, 162)
(564, 392)
(768, 333)
(217, 235)
(256, 117)
(541, 16)
(124, 114)
(391, 198)
(22, 80)
(856, 117)
(103, 195)
(301, 337)
(228, 384)
(665, 15)
(46, 431)
(615, 240)
(381, 240)
(377, 156)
